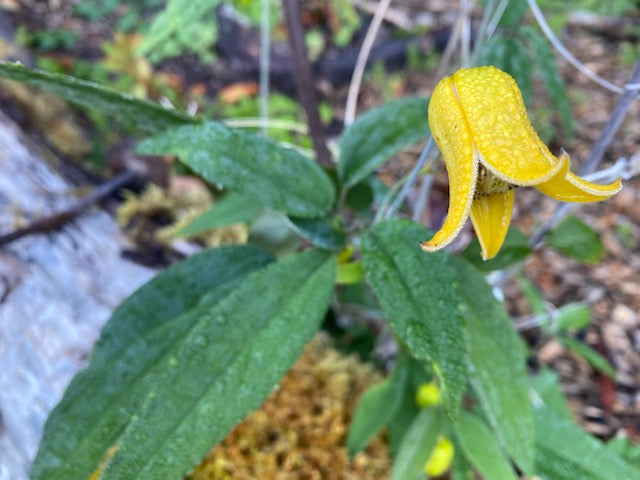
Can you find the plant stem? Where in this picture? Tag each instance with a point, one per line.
(265, 46)
(413, 176)
(568, 56)
(304, 80)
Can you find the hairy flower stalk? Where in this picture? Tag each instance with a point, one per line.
(479, 122)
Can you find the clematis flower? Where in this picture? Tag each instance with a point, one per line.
(479, 122)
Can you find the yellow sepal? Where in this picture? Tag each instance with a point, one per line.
(500, 127)
(490, 215)
(451, 133)
(568, 187)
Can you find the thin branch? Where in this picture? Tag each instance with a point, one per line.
(265, 47)
(497, 16)
(465, 33)
(596, 155)
(57, 220)
(304, 80)
(454, 38)
(256, 122)
(423, 198)
(562, 50)
(413, 176)
(395, 17)
(482, 30)
(361, 62)
(614, 123)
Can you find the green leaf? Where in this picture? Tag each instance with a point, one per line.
(496, 364)
(171, 395)
(271, 231)
(417, 445)
(99, 401)
(177, 15)
(232, 208)
(592, 357)
(400, 423)
(547, 386)
(516, 9)
(350, 273)
(144, 115)
(460, 468)
(574, 238)
(320, 232)
(481, 448)
(515, 249)
(258, 168)
(551, 78)
(360, 197)
(533, 295)
(378, 134)
(225, 367)
(565, 452)
(625, 448)
(573, 316)
(375, 409)
(398, 426)
(417, 292)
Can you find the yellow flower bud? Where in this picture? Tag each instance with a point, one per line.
(440, 459)
(428, 395)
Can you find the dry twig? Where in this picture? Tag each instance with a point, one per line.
(57, 220)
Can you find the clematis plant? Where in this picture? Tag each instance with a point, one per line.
(479, 122)
(192, 352)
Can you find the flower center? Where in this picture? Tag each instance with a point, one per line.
(488, 184)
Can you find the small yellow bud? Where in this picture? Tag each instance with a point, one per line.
(428, 395)
(440, 459)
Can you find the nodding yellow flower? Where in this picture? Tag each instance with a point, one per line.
(479, 122)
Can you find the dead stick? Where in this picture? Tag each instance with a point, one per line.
(614, 123)
(304, 80)
(57, 220)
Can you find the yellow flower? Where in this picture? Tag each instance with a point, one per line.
(440, 459)
(478, 119)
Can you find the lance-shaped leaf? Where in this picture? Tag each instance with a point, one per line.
(165, 394)
(233, 208)
(378, 134)
(376, 407)
(481, 448)
(496, 364)
(278, 177)
(417, 293)
(98, 402)
(145, 116)
(566, 452)
(417, 445)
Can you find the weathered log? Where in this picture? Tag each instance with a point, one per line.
(56, 292)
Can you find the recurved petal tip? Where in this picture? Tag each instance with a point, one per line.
(568, 187)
